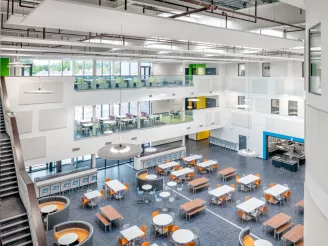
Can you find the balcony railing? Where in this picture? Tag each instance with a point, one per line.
(116, 82)
(128, 122)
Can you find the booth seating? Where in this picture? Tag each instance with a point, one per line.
(244, 237)
(60, 215)
(155, 183)
(65, 182)
(83, 230)
(223, 143)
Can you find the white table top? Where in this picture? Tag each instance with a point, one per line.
(182, 172)
(103, 118)
(48, 209)
(171, 183)
(146, 187)
(276, 190)
(132, 233)
(162, 219)
(108, 132)
(192, 157)
(251, 205)
(221, 191)
(154, 244)
(262, 242)
(120, 116)
(67, 239)
(109, 122)
(85, 121)
(206, 163)
(182, 236)
(248, 179)
(164, 194)
(115, 185)
(92, 194)
(151, 176)
(168, 165)
(87, 124)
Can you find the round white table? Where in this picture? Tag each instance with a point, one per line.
(171, 184)
(182, 236)
(108, 132)
(164, 195)
(147, 188)
(48, 209)
(262, 242)
(67, 239)
(162, 219)
(151, 176)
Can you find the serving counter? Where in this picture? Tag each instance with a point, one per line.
(286, 164)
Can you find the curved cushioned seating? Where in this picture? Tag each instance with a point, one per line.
(83, 230)
(245, 239)
(60, 205)
(155, 183)
(143, 176)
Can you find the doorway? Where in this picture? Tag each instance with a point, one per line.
(145, 72)
(242, 142)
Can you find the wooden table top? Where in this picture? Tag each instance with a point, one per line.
(295, 234)
(192, 204)
(198, 181)
(278, 220)
(110, 212)
(300, 204)
(227, 171)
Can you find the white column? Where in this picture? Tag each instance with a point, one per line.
(183, 141)
(94, 119)
(139, 74)
(94, 67)
(111, 106)
(183, 109)
(93, 160)
(183, 73)
(138, 114)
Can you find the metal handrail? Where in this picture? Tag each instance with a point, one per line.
(32, 207)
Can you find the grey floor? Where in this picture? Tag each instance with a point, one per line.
(218, 226)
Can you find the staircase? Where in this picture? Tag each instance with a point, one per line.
(15, 230)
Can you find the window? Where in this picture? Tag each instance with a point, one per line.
(67, 68)
(88, 67)
(266, 69)
(292, 108)
(241, 69)
(98, 111)
(40, 68)
(56, 68)
(116, 109)
(116, 68)
(315, 59)
(26, 71)
(134, 108)
(106, 68)
(134, 68)
(125, 68)
(274, 106)
(241, 102)
(83, 68)
(78, 67)
(79, 113)
(87, 112)
(105, 110)
(145, 107)
(124, 108)
(99, 68)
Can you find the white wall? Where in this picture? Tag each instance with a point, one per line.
(168, 69)
(163, 106)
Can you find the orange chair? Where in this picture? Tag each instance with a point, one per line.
(107, 179)
(144, 230)
(84, 201)
(158, 170)
(264, 210)
(168, 229)
(154, 214)
(287, 194)
(218, 185)
(172, 177)
(110, 193)
(180, 168)
(122, 241)
(269, 198)
(127, 186)
(193, 243)
(190, 176)
(237, 179)
(241, 215)
(271, 185)
(205, 160)
(232, 185)
(102, 194)
(258, 183)
(247, 198)
(175, 168)
(175, 228)
(248, 241)
(167, 161)
(199, 169)
(145, 244)
(257, 175)
(215, 166)
(222, 200)
(192, 163)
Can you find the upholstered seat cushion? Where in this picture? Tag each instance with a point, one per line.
(81, 233)
(248, 241)
(60, 205)
(143, 176)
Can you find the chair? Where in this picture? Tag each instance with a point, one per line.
(180, 188)
(145, 244)
(122, 241)
(269, 198)
(155, 213)
(158, 200)
(175, 228)
(218, 185)
(102, 194)
(205, 160)
(110, 193)
(190, 244)
(107, 180)
(241, 215)
(84, 201)
(264, 209)
(215, 167)
(199, 169)
(195, 230)
(287, 195)
(244, 237)
(237, 180)
(222, 200)
(247, 198)
(257, 175)
(144, 229)
(190, 176)
(271, 185)
(172, 177)
(168, 229)
(127, 187)
(232, 185)
(258, 183)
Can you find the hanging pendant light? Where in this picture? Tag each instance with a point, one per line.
(150, 149)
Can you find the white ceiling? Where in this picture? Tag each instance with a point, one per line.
(80, 17)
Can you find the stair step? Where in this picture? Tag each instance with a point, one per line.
(6, 173)
(6, 169)
(11, 232)
(3, 184)
(5, 155)
(12, 240)
(6, 164)
(8, 188)
(14, 224)
(9, 194)
(8, 178)
(16, 217)
(6, 159)
(29, 242)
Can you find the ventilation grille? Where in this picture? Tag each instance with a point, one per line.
(75, 149)
(108, 143)
(134, 138)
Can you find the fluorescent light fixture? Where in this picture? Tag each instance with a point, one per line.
(189, 107)
(150, 149)
(193, 100)
(162, 94)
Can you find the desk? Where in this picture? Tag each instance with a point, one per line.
(163, 220)
(276, 191)
(115, 185)
(251, 205)
(198, 183)
(182, 172)
(248, 181)
(294, 235)
(225, 173)
(168, 165)
(132, 233)
(67, 239)
(192, 158)
(206, 164)
(221, 191)
(92, 194)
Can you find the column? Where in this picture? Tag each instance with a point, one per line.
(111, 108)
(94, 73)
(58, 166)
(93, 160)
(183, 73)
(183, 141)
(139, 75)
(138, 114)
(94, 119)
(183, 109)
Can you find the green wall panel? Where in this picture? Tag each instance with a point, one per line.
(4, 69)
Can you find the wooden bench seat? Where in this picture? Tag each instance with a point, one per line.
(195, 210)
(301, 243)
(283, 228)
(200, 186)
(104, 221)
(229, 175)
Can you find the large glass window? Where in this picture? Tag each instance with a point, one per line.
(67, 67)
(134, 68)
(134, 108)
(88, 67)
(241, 102)
(116, 68)
(99, 69)
(56, 67)
(116, 109)
(125, 68)
(106, 68)
(87, 112)
(124, 108)
(40, 68)
(315, 59)
(79, 113)
(292, 108)
(78, 67)
(274, 106)
(105, 110)
(98, 111)
(145, 107)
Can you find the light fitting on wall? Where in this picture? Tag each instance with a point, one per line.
(150, 149)
(193, 100)
(39, 91)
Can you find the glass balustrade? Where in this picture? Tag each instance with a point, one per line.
(130, 81)
(128, 122)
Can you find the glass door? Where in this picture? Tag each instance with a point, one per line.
(145, 72)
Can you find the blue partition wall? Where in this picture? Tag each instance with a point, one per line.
(276, 135)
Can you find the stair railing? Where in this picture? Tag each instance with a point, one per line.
(26, 186)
